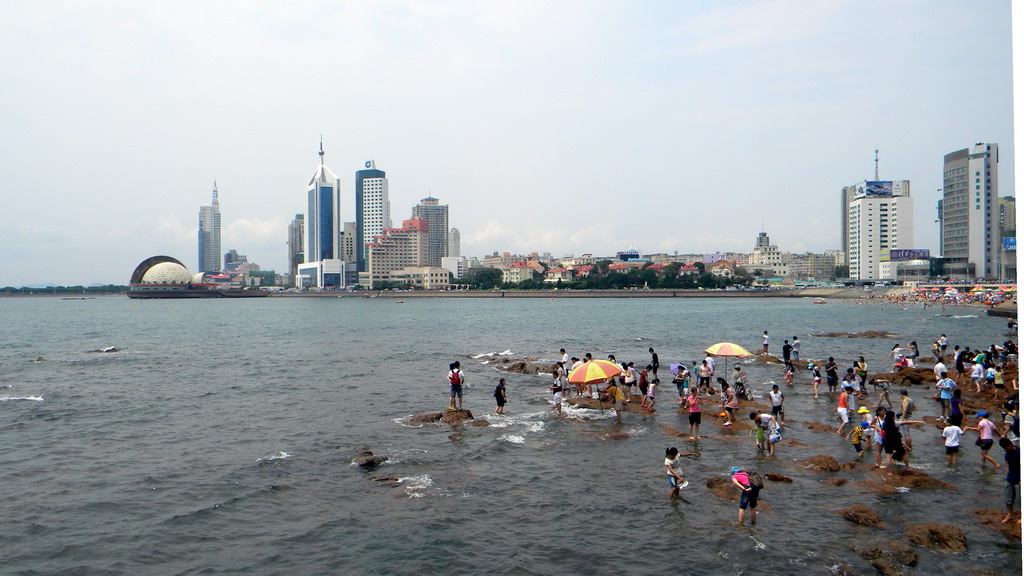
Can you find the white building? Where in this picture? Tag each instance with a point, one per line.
(209, 234)
(877, 222)
(454, 242)
(373, 209)
(862, 188)
(970, 212)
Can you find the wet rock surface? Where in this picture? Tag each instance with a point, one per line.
(937, 536)
(993, 520)
(889, 557)
(862, 515)
(368, 460)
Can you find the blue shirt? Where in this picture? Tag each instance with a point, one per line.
(945, 389)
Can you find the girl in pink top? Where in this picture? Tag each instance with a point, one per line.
(985, 429)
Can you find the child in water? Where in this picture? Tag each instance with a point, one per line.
(556, 390)
(648, 401)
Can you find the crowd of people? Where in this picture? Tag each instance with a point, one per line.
(870, 422)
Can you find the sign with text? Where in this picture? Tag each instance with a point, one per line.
(901, 255)
(1010, 244)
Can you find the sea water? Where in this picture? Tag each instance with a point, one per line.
(218, 440)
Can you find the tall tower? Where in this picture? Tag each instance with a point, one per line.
(970, 213)
(209, 234)
(454, 242)
(436, 215)
(373, 209)
(296, 255)
(323, 214)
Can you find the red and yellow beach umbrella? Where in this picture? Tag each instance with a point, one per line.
(594, 371)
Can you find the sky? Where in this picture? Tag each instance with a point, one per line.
(567, 127)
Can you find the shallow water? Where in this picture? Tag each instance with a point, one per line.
(219, 438)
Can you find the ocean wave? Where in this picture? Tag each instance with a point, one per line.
(416, 485)
(279, 456)
(967, 316)
(11, 398)
(507, 352)
(513, 439)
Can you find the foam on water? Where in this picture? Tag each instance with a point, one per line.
(513, 439)
(279, 456)
(415, 486)
(12, 398)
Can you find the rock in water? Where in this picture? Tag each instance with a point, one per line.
(425, 418)
(456, 416)
(368, 461)
(861, 515)
(937, 536)
(887, 557)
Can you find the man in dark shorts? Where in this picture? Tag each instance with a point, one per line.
(1012, 457)
(455, 380)
(654, 361)
(832, 374)
(787, 350)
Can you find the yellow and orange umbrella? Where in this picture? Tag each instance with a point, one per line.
(594, 371)
(728, 349)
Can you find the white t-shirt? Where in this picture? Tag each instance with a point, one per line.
(676, 464)
(952, 435)
(939, 368)
(565, 358)
(796, 346)
(764, 340)
(977, 371)
(711, 363)
(776, 397)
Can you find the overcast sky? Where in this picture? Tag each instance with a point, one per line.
(568, 127)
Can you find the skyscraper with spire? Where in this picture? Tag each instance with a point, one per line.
(209, 234)
(321, 265)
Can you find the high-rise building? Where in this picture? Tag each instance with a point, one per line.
(879, 220)
(436, 215)
(209, 235)
(1007, 216)
(454, 242)
(395, 249)
(970, 214)
(373, 209)
(866, 187)
(296, 254)
(322, 267)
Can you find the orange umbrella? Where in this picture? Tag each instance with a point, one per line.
(728, 349)
(594, 371)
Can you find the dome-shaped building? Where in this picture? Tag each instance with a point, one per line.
(165, 277)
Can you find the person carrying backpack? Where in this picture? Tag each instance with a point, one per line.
(456, 378)
(750, 484)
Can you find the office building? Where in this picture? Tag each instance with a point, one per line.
(373, 209)
(322, 267)
(866, 188)
(436, 215)
(395, 249)
(209, 234)
(296, 254)
(454, 242)
(971, 239)
(879, 220)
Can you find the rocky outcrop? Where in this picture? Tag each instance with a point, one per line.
(819, 427)
(456, 416)
(823, 463)
(901, 478)
(889, 557)
(865, 334)
(723, 488)
(368, 461)
(993, 519)
(778, 478)
(834, 481)
(862, 515)
(425, 418)
(937, 536)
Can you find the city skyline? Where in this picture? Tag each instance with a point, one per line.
(657, 115)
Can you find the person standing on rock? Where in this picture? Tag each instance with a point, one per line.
(787, 351)
(456, 378)
(831, 374)
(943, 344)
(906, 410)
(945, 386)
(764, 343)
(499, 396)
(796, 348)
(654, 361)
(844, 409)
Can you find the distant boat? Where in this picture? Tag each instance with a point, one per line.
(820, 302)
(399, 301)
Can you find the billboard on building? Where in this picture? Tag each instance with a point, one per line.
(875, 188)
(902, 255)
(1010, 244)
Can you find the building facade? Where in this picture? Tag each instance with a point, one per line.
(970, 213)
(866, 188)
(877, 224)
(209, 234)
(436, 216)
(321, 267)
(373, 209)
(296, 254)
(395, 249)
(454, 242)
